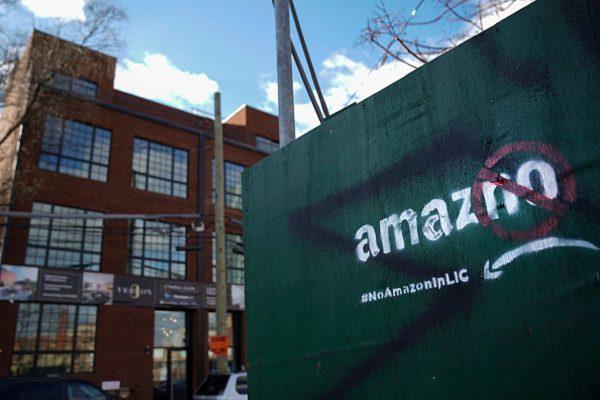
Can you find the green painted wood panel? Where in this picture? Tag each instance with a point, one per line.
(334, 314)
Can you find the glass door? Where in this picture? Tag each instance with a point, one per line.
(170, 372)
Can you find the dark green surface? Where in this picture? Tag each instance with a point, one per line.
(532, 333)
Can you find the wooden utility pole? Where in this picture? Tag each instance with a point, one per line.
(222, 366)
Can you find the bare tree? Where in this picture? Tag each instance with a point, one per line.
(399, 35)
(27, 74)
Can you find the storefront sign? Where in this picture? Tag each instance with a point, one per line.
(134, 291)
(59, 286)
(183, 294)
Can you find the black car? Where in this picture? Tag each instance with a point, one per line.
(29, 388)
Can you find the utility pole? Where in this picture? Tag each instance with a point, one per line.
(222, 366)
(285, 91)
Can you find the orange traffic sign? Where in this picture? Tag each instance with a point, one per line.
(219, 344)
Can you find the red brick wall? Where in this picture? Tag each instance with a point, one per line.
(123, 331)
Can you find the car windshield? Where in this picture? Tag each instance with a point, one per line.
(213, 385)
(241, 385)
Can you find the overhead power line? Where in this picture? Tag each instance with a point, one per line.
(308, 59)
(24, 214)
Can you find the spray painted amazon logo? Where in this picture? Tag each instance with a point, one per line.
(555, 192)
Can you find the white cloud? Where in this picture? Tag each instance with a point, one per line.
(270, 89)
(497, 15)
(343, 81)
(156, 78)
(64, 9)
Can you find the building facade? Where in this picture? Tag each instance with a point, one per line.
(90, 150)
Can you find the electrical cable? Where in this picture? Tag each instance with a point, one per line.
(308, 60)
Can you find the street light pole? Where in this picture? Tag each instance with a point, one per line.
(222, 366)
(285, 91)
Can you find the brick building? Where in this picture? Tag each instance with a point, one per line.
(92, 149)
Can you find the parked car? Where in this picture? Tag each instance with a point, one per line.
(223, 387)
(30, 388)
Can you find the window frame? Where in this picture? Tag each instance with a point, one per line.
(71, 83)
(146, 175)
(131, 257)
(60, 156)
(37, 352)
(228, 241)
(228, 195)
(48, 247)
(266, 144)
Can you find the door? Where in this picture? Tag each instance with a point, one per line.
(170, 372)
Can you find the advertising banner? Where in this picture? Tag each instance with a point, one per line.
(97, 288)
(22, 283)
(134, 291)
(59, 286)
(182, 294)
(18, 283)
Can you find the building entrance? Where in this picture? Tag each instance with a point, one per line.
(170, 355)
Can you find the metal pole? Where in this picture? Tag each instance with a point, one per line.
(220, 233)
(284, 72)
(201, 323)
(305, 80)
(308, 60)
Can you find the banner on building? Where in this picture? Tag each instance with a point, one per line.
(135, 291)
(97, 288)
(18, 283)
(59, 286)
(181, 294)
(23, 283)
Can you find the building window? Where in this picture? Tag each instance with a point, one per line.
(78, 86)
(64, 242)
(153, 249)
(159, 168)
(233, 184)
(53, 339)
(266, 145)
(75, 148)
(234, 254)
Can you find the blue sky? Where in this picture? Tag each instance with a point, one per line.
(180, 52)
(233, 41)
